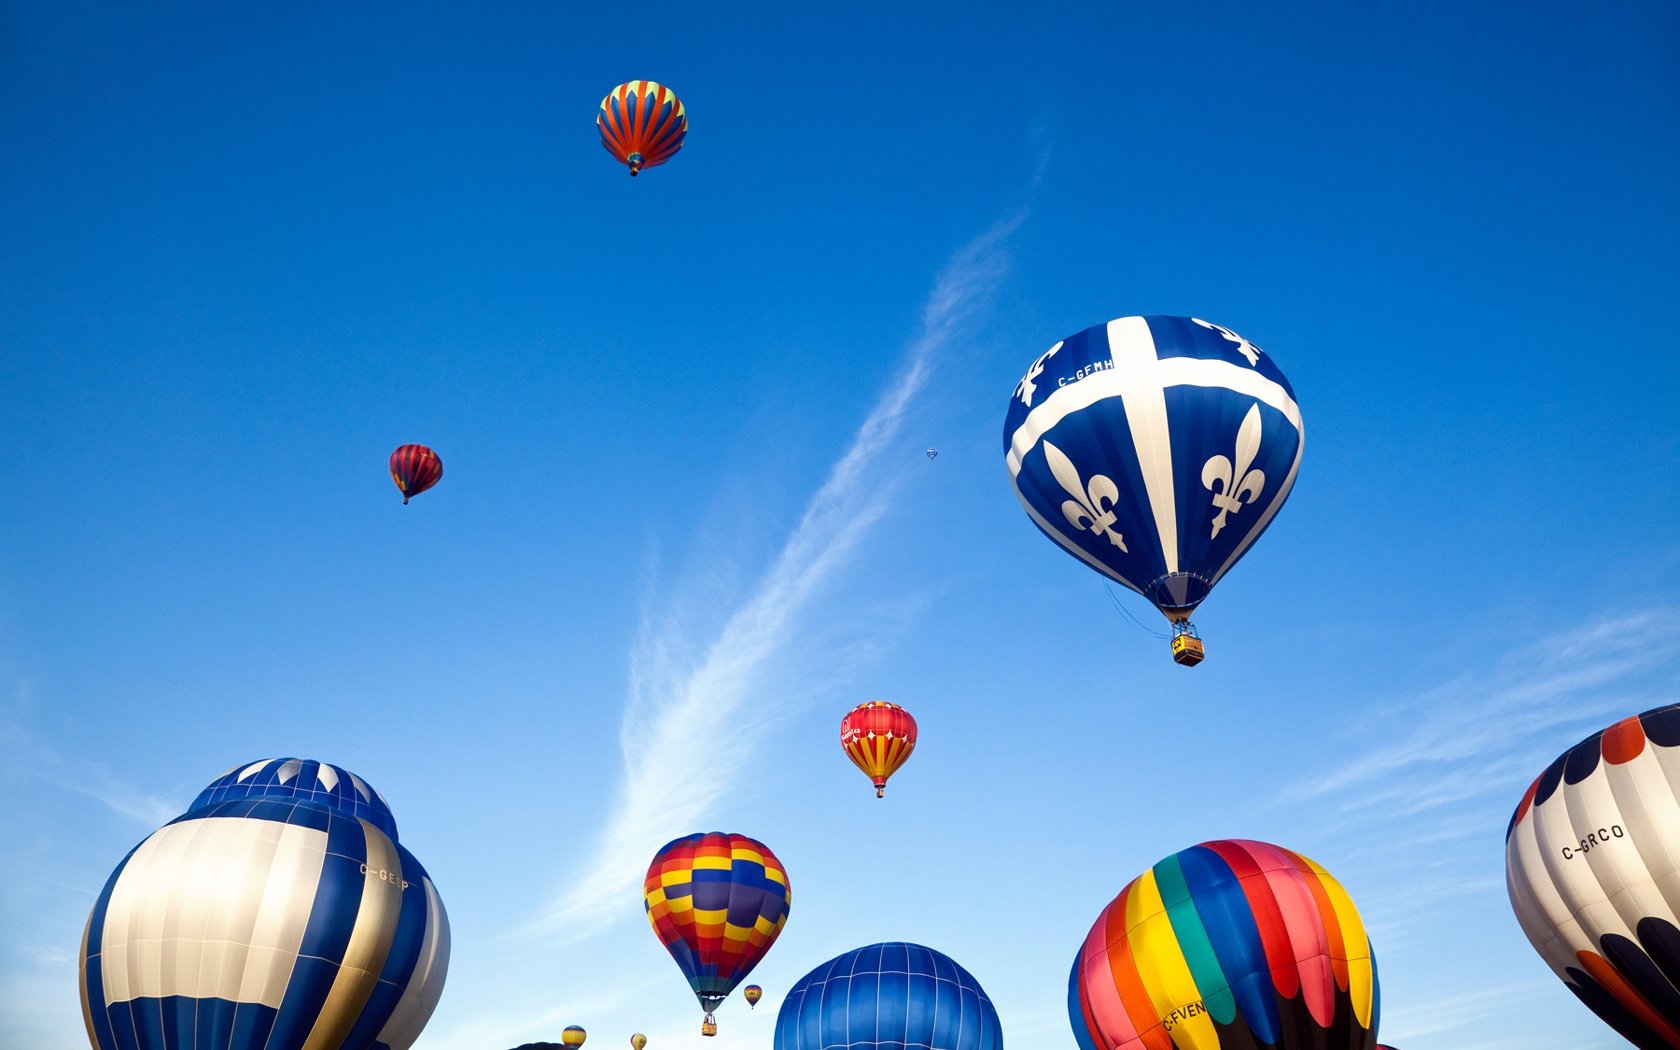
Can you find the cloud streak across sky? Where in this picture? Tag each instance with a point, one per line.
(1430, 782)
(672, 702)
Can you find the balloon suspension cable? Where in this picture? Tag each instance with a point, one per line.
(1115, 599)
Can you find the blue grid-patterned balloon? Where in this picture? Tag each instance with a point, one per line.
(892, 996)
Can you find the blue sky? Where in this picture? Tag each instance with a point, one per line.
(687, 521)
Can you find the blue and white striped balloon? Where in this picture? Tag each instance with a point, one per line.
(1156, 450)
(893, 996)
(279, 913)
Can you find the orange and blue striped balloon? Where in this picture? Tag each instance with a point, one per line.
(642, 124)
(717, 901)
(1229, 945)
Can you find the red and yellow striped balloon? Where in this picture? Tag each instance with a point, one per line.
(642, 124)
(878, 737)
(1229, 945)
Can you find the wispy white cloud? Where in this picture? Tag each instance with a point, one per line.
(675, 696)
(1467, 731)
(24, 750)
(1431, 780)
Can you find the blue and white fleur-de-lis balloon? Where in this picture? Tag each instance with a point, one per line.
(1156, 450)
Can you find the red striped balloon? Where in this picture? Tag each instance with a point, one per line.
(415, 468)
(642, 124)
(878, 737)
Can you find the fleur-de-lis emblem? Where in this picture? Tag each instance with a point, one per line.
(1092, 506)
(1244, 347)
(1232, 487)
(1024, 389)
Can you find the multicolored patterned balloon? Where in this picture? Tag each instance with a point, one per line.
(752, 993)
(278, 912)
(642, 124)
(414, 469)
(878, 737)
(1229, 945)
(1156, 450)
(1590, 858)
(891, 996)
(717, 901)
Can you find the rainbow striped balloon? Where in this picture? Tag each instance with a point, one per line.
(1229, 945)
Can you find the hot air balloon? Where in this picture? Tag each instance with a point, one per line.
(887, 996)
(1156, 450)
(752, 993)
(717, 901)
(415, 468)
(278, 911)
(642, 124)
(638, 1041)
(1229, 945)
(1590, 857)
(573, 1036)
(933, 453)
(878, 737)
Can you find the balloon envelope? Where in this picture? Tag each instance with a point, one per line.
(1156, 450)
(1590, 860)
(414, 469)
(279, 913)
(878, 737)
(1229, 945)
(886, 997)
(717, 901)
(573, 1036)
(642, 124)
(638, 1041)
(752, 993)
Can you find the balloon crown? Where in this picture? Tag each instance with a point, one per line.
(302, 779)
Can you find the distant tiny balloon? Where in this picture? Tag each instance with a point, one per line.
(933, 453)
(638, 1041)
(642, 124)
(752, 993)
(573, 1036)
(415, 468)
